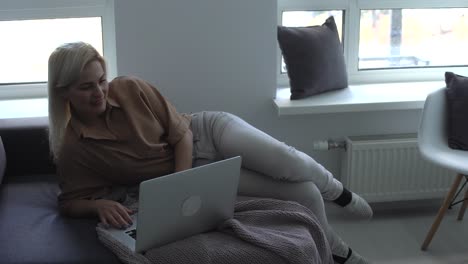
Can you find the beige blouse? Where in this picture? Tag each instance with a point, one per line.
(135, 143)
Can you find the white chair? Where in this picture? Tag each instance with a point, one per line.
(433, 145)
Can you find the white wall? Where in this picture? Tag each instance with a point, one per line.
(221, 55)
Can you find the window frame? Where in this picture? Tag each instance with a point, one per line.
(351, 9)
(49, 9)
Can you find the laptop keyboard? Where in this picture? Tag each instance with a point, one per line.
(131, 233)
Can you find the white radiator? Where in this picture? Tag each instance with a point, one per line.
(390, 168)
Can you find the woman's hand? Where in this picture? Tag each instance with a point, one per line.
(112, 213)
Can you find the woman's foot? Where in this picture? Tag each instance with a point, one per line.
(354, 204)
(351, 258)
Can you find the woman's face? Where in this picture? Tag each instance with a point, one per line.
(88, 95)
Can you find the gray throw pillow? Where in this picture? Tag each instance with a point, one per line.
(314, 59)
(2, 160)
(457, 110)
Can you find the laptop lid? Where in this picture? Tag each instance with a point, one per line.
(186, 203)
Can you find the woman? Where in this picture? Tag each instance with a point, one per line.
(108, 137)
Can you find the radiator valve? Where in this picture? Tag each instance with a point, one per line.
(328, 144)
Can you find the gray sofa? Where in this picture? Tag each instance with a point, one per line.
(31, 229)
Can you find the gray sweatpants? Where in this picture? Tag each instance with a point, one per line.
(270, 168)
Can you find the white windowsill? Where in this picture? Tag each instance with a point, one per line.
(358, 98)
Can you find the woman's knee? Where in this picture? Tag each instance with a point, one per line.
(305, 193)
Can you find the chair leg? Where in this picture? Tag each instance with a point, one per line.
(442, 211)
(461, 213)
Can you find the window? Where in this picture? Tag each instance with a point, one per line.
(27, 44)
(389, 40)
(31, 31)
(411, 38)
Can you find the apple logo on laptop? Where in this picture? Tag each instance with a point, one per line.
(191, 205)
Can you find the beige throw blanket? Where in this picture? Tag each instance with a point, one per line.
(262, 231)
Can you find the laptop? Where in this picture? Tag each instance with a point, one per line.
(182, 204)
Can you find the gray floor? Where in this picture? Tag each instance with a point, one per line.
(395, 234)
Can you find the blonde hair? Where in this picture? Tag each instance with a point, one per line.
(65, 66)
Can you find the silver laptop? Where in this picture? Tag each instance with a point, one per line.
(182, 204)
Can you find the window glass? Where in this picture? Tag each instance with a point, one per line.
(408, 38)
(27, 44)
(310, 18)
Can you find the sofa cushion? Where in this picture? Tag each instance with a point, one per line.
(32, 230)
(2, 160)
(314, 59)
(27, 147)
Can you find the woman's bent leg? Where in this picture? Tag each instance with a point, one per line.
(222, 135)
(306, 193)
(264, 154)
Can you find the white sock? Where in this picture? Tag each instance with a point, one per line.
(354, 205)
(342, 251)
(355, 258)
(359, 207)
